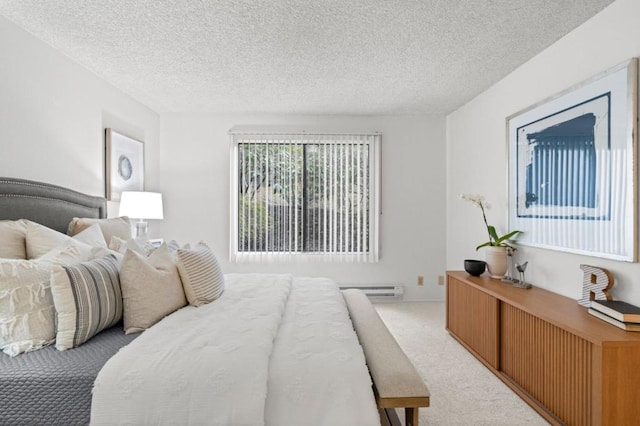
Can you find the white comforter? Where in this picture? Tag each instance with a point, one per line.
(272, 350)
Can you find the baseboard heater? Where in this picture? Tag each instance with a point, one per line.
(378, 292)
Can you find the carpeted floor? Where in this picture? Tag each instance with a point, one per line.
(463, 391)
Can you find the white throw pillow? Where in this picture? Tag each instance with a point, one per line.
(87, 298)
(26, 307)
(12, 239)
(121, 246)
(27, 314)
(91, 236)
(40, 240)
(151, 288)
(201, 274)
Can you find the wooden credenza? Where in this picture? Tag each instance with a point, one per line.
(571, 367)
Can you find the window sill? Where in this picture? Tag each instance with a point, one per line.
(259, 257)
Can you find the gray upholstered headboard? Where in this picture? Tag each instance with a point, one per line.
(49, 205)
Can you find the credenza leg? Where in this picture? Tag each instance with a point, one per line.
(411, 416)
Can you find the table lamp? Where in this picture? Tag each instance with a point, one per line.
(141, 205)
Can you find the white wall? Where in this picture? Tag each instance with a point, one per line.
(477, 155)
(194, 168)
(52, 116)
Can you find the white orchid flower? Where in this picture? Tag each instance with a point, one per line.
(494, 240)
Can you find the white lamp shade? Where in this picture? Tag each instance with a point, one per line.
(141, 205)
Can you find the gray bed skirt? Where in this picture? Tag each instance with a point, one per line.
(50, 387)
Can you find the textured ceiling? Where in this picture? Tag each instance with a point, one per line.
(301, 56)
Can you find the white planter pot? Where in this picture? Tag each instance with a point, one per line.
(496, 261)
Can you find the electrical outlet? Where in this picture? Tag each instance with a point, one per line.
(420, 280)
(440, 279)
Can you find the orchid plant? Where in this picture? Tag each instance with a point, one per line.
(494, 239)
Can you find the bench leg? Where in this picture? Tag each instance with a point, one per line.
(411, 416)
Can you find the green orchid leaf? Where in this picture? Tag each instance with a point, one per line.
(488, 243)
(507, 236)
(492, 232)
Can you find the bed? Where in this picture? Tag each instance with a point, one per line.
(272, 349)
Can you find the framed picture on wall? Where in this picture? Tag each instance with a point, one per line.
(124, 164)
(573, 168)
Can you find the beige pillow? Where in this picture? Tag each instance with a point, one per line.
(117, 226)
(151, 288)
(12, 239)
(40, 240)
(27, 314)
(87, 298)
(201, 275)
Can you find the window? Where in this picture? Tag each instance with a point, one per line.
(306, 196)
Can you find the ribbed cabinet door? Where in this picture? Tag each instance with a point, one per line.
(549, 363)
(472, 316)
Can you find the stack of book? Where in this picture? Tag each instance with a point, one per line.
(621, 314)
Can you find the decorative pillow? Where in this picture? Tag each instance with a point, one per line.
(12, 239)
(40, 240)
(201, 275)
(26, 307)
(174, 246)
(121, 246)
(71, 251)
(151, 288)
(117, 226)
(87, 298)
(27, 314)
(91, 236)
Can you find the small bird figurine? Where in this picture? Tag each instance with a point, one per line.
(521, 268)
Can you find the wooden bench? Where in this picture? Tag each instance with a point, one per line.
(396, 382)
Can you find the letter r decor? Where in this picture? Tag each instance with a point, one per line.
(595, 284)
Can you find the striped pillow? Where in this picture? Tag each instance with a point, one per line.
(87, 298)
(200, 273)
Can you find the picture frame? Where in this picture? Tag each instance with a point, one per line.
(572, 172)
(124, 164)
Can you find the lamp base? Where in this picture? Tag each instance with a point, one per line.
(141, 229)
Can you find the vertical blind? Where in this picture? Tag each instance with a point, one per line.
(305, 196)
